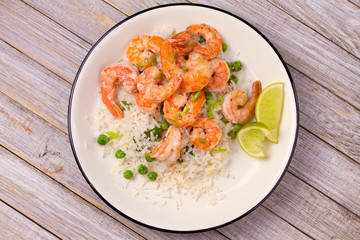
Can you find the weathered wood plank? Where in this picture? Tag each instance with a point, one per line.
(87, 19)
(311, 211)
(68, 174)
(34, 86)
(14, 225)
(48, 149)
(355, 2)
(329, 117)
(262, 224)
(52, 206)
(329, 171)
(336, 20)
(46, 41)
(301, 47)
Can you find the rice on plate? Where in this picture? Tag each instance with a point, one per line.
(194, 173)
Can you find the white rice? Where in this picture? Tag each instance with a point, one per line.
(193, 177)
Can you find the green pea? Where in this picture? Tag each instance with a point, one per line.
(128, 174)
(148, 158)
(236, 66)
(233, 78)
(120, 154)
(142, 169)
(156, 131)
(165, 125)
(209, 98)
(224, 47)
(102, 139)
(152, 175)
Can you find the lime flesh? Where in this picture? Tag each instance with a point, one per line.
(251, 138)
(268, 109)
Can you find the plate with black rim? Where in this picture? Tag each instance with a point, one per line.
(253, 179)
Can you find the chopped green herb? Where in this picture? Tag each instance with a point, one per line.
(224, 47)
(232, 134)
(229, 65)
(121, 107)
(210, 113)
(196, 96)
(191, 43)
(120, 60)
(120, 154)
(157, 75)
(186, 108)
(102, 139)
(112, 135)
(209, 98)
(221, 99)
(175, 55)
(174, 123)
(237, 126)
(171, 57)
(180, 116)
(202, 39)
(180, 161)
(203, 103)
(162, 109)
(128, 174)
(219, 151)
(142, 64)
(224, 120)
(203, 141)
(192, 154)
(125, 103)
(184, 68)
(134, 139)
(147, 134)
(154, 61)
(148, 158)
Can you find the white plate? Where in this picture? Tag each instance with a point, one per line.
(254, 179)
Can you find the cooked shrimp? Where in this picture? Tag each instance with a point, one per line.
(205, 133)
(168, 149)
(237, 107)
(148, 85)
(114, 74)
(213, 44)
(143, 49)
(182, 42)
(176, 111)
(147, 106)
(220, 76)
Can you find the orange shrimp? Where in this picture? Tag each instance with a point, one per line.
(176, 111)
(143, 49)
(237, 107)
(205, 133)
(220, 77)
(168, 149)
(147, 106)
(114, 74)
(148, 85)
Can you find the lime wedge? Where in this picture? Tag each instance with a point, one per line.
(251, 138)
(269, 108)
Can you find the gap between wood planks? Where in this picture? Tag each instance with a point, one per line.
(317, 136)
(30, 220)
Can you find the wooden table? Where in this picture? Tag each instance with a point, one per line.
(43, 194)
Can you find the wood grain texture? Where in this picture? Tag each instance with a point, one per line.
(87, 19)
(262, 221)
(301, 47)
(14, 225)
(34, 86)
(336, 20)
(46, 42)
(52, 206)
(311, 211)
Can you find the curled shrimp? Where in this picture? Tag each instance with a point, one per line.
(195, 71)
(148, 85)
(143, 49)
(113, 74)
(168, 149)
(182, 110)
(147, 106)
(220, 76)
(237, 107)
(205, 133)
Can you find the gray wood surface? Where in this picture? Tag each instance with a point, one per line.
(42, 45)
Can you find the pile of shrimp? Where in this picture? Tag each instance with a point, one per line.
(173, 75)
